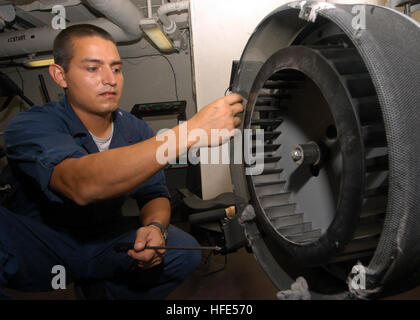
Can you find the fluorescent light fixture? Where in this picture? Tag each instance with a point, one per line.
(38, 63)
(152, 29)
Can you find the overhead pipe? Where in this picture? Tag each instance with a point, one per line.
(169, 26)
(123, 13)
(149, 8)
(44, 5)
(7, 14)
(124, 27)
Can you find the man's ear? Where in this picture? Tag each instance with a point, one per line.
(58, 74)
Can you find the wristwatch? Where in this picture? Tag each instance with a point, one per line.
(161, 227)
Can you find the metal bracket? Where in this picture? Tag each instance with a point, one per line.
(247, 215)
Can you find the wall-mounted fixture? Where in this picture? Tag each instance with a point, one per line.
(169, 26)
(153, 30)
(36, 63)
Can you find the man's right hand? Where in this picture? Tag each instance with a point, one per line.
(218, 115)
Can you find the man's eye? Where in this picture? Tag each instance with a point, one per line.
(91, 69)
(116, 70)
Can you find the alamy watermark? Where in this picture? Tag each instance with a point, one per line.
(248, 147)
(58, 22)
(359, 20)
(59, 280)
(358, 277)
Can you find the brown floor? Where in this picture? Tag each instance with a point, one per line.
(241, 279)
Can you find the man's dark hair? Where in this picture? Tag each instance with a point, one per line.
(63, 43)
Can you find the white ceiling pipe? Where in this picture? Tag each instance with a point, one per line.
(46, 4)
(123, 13)
(7, 13)
(169, 26)
(34, 40)
(41, 39)
(149, 8)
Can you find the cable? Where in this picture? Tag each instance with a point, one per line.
(22, 87)
(21, 80)
(215, 271)
(44, 88)
(170, 64)
(212, 253)
(10, 64)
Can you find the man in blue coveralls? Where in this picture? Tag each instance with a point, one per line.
(75, 161)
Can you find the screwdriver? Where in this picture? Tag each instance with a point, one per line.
(125, 246)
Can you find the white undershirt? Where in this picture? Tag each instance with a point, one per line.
(103, 143)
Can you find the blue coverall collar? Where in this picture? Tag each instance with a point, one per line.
(75, 124)
(78, 129)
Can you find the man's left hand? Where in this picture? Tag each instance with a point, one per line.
(148, 236)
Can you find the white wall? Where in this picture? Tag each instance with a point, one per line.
(220, 30)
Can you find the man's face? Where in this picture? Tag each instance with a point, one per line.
(94, 77)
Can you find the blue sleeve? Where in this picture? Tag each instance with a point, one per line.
(35, 143)
(155, 187)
